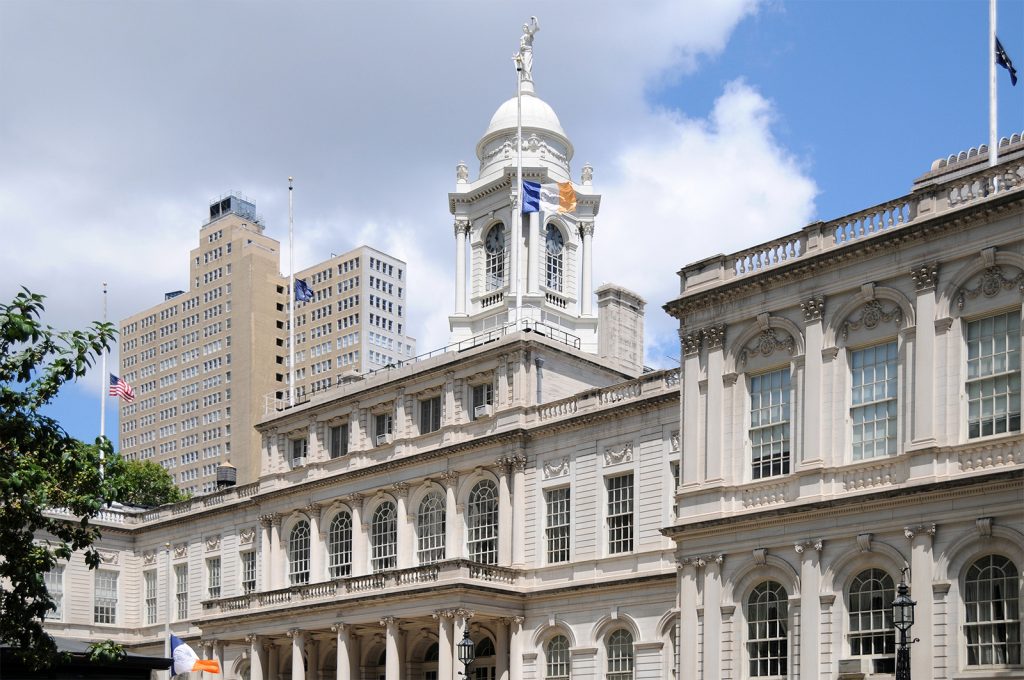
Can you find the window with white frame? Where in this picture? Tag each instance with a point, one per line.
(213, 577)
(181, 591)
(494, 259)
(482, 521)
(556, 657)
(382, 424)
(619, 650)
(298, 553)
(105, 597)
(430, 414)
(299, 450)
(767, 632)
(384, 537)
(993, 375)
(556, 531)
(554, 269)
(870, 609)
(769, 424)
(620, 513)
(992, 612)
(339, 545)
(430, 528)
(874, 401)
(338, 436)
(54, 580)
(249, 571)
(150, 595)
(482, 400)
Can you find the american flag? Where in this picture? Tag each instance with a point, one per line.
(119, 388)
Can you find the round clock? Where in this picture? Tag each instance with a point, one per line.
(554, 240)
(495, 242)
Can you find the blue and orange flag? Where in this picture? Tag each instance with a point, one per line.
(185, 660)
(551, 197)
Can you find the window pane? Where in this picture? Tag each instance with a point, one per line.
(767, 637)
(991, 604)
(769, 423)
(430, 527)
(339, 545)
(482, 521)
(557, 530)
(298, 554)
(620, 513)
(384, 537)
(993, 375)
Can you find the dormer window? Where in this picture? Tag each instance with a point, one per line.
(494, 249)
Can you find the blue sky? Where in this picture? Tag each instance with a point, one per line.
(737, 118)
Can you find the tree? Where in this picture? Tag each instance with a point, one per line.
(41, 467)
(143, 482)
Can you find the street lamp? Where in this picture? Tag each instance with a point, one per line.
(466, 652)
(903, 619)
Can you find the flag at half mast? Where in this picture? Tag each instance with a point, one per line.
(550, 197)
(119, 387)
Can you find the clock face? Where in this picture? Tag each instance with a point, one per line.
(495, 242)
(554, 240)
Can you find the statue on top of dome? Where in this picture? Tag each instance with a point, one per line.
(524, 57)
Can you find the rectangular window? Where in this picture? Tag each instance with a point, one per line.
(620, 513)
(430, 415)
(874, 402)
(300, 448)
(483, 399)
(54, 580)
(993, 375)
(557, 530)
(105, 597)
(149, 578)
(339, 440)
(249, 572)
(382, 428)
(181, 590)
(769, 424)
(213, 577)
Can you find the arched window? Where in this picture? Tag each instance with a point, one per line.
(992, 608)
(482, 518)
(494, 261)
(432, 652)
(298, 553)
(557, 657)
(430, 527)
(384, 537)
(554, 245)
(620, 656)
(767, 640)
(870, 606)
(339, 545)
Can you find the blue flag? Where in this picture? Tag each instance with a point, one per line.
(531, 197)
(303, 293)
(1003, 59)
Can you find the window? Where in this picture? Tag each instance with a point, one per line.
(871, 629)
(769, 424)
(149, 578)
(767, 641)
(105, 597)
(300, 447)
(482, 519)
(620, 655)
(249, 571)
(384, 537)
(54, 580)
(430, 525)
(620, 513)
(181, 590)
(382, 428)
(298, 553)
(430, 415)
(483, 398)
(494, 261)
(557, 530)
(338, 440)
(557, 659)
(873, 411)
(553, 270)
(339, 545)
(993, 375)
(992, 606)
(213, 577)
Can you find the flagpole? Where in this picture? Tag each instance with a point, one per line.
(517, 230)
(993, 142)
(291, 298)
(104, 386)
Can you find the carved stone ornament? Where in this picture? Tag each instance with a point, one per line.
(714, 336)
(871, 316)
(587, 174)
(923, 529)
(108, 556)
(180, 551)
(247, 535)
(767, 344)
(817, 544)
(992, 282)
(586, 229)
(614, 455)
(556, 468)
(149, 557)
(691, 342)
(925, 277)
(461, 173)
(984, 526)
(760, 556)
(864, 542)
(812, 308)
(674, 440)
(213, 542)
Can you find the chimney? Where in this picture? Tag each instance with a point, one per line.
(620, 328)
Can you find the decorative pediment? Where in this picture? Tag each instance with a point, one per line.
(990, 283)
(872, 315)
(767, 343)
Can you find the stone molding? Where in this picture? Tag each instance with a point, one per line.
(991, 282)
(767, 343)
(871, 316)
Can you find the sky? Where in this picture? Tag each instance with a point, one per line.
(712, 125)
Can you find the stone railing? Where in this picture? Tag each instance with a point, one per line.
(632, 390)
(224, 497)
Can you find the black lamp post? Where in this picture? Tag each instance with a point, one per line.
(467, 653)
(903, 619)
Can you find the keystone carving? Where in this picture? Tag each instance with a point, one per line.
(767, 343)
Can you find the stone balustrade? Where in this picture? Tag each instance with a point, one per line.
(657, 382)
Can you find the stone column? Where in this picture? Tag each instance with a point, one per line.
(812, 309)
(534, 248)
(355, 430)
(504, 513)
(445, 644)
(810, 587)
(925, 278)
(313, 657)
(265, 553)
(690, 472)
(298, 649)
(404, 528)
(501, 653)
(714, 340)
(515, 661)
(355, 503)
(461, 228)
(713, 618)
(518, 510)
(343, 663)
(257, 657)
(921, 564)
(687, 642)
(452, 538)
(317, 571)
(273, 660)
(394, 662)
(276, 558)
(587, 278)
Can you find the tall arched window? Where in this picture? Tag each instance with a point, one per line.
(620, 656)
(384, 537)
(870, 607)
(992, 612)
(767, 638)
(339, 545)
(430, 528)
(554, 245)
(557, 657)
(494, 259)
(298, 553)
(482, 518)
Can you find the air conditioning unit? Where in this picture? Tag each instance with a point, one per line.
(382, 439)
(482, 411)
(854, 669)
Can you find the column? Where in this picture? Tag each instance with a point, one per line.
(925, 278)
(218, 653)
(587, 279)
(355, 430)
(518, 510)
(343, 662)
(355, 503)
(690, 472)
(404, 532)
(714, 340)
(515, 651)
(265, 553)
(445, 644)
(504, 513)
(461, 228)
(257, 657)
(533, 254)
(687, 643)
(810, 587)
(921, 563)
(298, 648)
(501, 654)
(273, 659)
(276, 560)
(393, 669)
(713, 618)
(313, 657)
(452, 537)
(206, 652)
(813, 380)
(317, 571)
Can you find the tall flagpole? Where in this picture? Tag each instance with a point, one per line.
(518, 221)
(104, 385)
(291, 298)
(993, 142)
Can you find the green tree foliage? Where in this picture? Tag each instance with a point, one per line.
(143, 482)
(42, 466)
